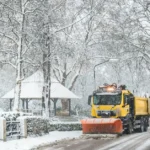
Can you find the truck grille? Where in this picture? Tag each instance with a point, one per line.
(105, 113)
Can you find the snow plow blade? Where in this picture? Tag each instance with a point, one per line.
(101, 125)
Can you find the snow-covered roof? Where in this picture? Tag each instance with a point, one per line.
(33, 85)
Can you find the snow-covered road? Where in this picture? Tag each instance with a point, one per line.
(72, 140)
(136, 141)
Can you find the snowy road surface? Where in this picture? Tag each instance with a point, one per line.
(72, 140)
(136, 141)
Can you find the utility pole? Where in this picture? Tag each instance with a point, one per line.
(95, 70)
(108, 60)
(49, 75)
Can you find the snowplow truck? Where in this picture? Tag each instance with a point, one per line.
(115, 111)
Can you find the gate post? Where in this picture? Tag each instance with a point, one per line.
(23, 126)
(2, 129)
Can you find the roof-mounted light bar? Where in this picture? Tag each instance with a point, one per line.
(110, 88)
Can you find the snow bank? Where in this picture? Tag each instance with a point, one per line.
(33, 143)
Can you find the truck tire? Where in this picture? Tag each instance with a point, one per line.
(145, 128)
(145, 125)
(130, 128)
(142, 125)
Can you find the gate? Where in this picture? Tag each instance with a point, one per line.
(13, 129)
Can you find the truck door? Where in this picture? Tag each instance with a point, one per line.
(129, 103)
(126, 104)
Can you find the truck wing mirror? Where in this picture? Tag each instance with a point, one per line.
(89, 100)
(132, 97)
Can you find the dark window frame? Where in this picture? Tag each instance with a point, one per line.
(107, 99)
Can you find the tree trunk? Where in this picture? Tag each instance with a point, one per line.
(19, 62)
(47, 69)
(18, 79)
(45, 86)
(65, 104)
(47, 77)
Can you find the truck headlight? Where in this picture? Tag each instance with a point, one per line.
(113, 113)
(118, 112)
(98, 113)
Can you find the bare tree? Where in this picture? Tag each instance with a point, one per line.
(15, 17)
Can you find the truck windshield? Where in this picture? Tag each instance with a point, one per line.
(107, 99)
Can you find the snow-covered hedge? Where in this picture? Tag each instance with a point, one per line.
(40, 126)
(12, 115)
(64, 126)
(37, 126)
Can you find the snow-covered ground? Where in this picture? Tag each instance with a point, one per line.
(138, 141)
(33, 142)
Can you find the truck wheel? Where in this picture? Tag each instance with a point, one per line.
(142, 126)
(145, 126)
(130, 128)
